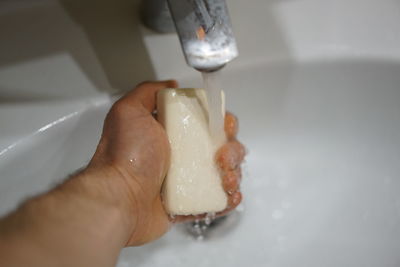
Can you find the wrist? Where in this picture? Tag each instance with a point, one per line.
(109, 189)
(144, 206)
(90, 216)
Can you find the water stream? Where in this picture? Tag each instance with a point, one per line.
(212, 86)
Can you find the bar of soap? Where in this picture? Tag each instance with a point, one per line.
(193, 184)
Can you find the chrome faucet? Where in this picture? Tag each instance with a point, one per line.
(203, 27)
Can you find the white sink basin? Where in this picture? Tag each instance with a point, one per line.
(318, 97)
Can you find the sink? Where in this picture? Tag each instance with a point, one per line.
(318, 98)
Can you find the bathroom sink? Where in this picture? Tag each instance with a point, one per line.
(318, 98)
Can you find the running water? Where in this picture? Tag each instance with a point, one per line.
(212, 86)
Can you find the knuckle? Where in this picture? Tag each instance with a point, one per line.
(120, 108)
(230, 182)
(143, 84)
(230, 125)
(235, 199)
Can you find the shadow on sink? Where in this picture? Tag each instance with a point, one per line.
(107, 47)
(113, 28)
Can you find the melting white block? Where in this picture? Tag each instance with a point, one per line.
(193, 183)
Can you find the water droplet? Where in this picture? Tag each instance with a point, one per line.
(286, 204)
(277, 214)
(283, 183)
(240, 207)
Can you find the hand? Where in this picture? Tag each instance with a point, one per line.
(136, 147)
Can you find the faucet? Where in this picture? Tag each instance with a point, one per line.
(203, 26)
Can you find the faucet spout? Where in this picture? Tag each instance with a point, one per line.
(204, 31)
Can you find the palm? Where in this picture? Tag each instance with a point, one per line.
(136, 145)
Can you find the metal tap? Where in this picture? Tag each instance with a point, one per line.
(203, 26)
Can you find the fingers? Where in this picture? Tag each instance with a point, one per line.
(230, 126)
(233, 201)
(145, 94)
(231, 180)
(232, 153)
(230, 156)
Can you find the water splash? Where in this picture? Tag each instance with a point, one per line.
(212, 226)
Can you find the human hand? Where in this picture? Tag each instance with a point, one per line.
(136, 148)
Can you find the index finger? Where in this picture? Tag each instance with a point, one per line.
(230, 126)
(145, 93)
